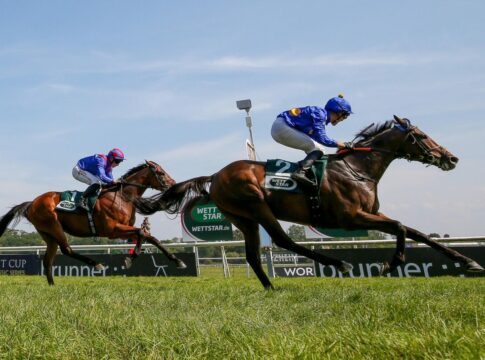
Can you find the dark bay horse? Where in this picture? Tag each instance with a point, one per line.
(348, 196)
(114, 216)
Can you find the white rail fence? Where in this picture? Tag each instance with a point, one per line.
(224, 261)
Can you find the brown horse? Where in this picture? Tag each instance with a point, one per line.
(113, 215)
(348, 196)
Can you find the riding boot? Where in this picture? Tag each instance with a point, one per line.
(300, 175)
(91, 190)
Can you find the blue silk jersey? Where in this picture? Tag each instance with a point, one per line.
(310, 120)
(97, 165)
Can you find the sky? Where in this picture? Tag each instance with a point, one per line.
(160, 80)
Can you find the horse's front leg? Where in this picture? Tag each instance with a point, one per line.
(470, 264)
(382, 223)
(136, 252)
(125, 231)
(154, 241)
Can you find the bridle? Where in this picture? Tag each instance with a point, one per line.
(426, 156)
(155, 173)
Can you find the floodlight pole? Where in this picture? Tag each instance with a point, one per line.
(249, 124)
(246, 106)
(265, 239)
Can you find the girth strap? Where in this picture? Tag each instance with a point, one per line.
(91, 223)
(313, 196)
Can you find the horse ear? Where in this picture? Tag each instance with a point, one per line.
(403, 122)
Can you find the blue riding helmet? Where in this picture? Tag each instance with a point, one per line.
(338, 104)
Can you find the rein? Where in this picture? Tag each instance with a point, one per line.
(354, 172)
(123, 182)
(428, 157)
(126, 183)
(347, 151)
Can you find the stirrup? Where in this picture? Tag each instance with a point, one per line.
(303, 180)
(83, 204)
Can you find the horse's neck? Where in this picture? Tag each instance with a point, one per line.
(133, 191)
(374, 164)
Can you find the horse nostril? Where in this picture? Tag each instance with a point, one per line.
(454, 160)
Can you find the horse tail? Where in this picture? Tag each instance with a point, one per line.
(14, 214)
(175, 198)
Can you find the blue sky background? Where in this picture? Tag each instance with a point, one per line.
(160, 79)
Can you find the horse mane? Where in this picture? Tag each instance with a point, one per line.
(176, 198)
(134, 170)
(372, 130)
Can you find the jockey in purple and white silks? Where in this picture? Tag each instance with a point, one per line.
(96, 170)
(304, 128)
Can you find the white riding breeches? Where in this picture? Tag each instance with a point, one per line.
(85, 176)
(286, 135)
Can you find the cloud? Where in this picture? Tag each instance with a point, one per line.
(122, 64)
(102, 62)
(52, 134)
(331, 61)
(205, 149)
(112, 63)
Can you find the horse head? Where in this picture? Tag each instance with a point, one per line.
(161, 180)
(418, 146)
(148, 175)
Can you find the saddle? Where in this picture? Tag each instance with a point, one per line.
(70, 199)
(277, 175)
(277, 178)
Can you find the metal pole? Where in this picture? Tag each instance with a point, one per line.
(269, 262)
(249, 124)
(197, 260)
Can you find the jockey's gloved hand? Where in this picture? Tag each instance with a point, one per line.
(348, 145)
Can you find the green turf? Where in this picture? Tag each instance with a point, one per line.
(216, 318)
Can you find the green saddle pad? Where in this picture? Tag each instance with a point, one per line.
(70, 199)
(278, 173)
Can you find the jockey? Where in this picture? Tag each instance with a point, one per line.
(304, 128)
(96, 170)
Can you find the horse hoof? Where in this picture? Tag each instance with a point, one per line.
(473, 266)
(384, 269)
(99, 267)
(345, 267)
(128, 263)
(181, 265)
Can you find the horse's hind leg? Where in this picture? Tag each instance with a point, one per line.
(49, 256)
(471, 265)
(56, 233)
(263, 214)
(250, 231)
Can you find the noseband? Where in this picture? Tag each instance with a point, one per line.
(141, 186)
(426, 156)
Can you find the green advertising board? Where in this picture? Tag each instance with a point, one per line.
(204, 221)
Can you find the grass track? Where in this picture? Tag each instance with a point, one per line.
(211, 317)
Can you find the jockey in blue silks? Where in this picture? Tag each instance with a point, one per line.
(96, 170)
(304, 128)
